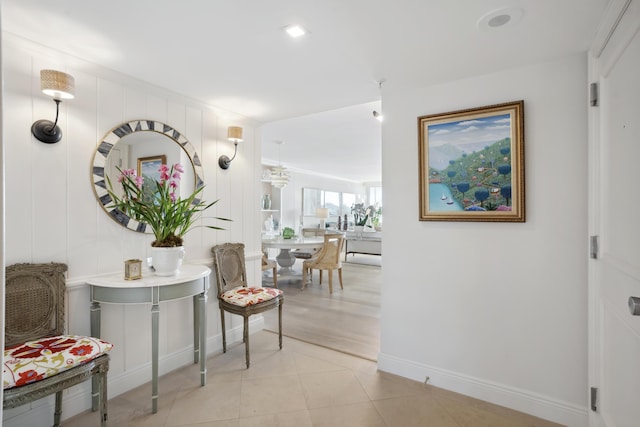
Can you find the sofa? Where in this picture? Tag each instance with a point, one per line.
(366, 242)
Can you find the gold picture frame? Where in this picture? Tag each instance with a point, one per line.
(148, 166)
(471, 164)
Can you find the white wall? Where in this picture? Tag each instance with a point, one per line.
(502, 307)
(52, 214)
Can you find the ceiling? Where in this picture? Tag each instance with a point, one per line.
(344, 143)
(235, 55)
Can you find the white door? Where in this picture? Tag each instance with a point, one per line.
(614, 216)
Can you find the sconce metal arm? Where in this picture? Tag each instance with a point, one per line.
(47, 131)
(224, 161)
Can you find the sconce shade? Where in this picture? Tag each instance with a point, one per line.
(234, 133)
(57, 84)
(322, 213)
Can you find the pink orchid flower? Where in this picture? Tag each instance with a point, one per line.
(164, 173)
(125, 173)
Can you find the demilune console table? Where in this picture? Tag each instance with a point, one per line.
(191, 281)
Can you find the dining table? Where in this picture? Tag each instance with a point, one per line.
(285, 257)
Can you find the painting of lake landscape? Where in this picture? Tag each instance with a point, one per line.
(472, 164)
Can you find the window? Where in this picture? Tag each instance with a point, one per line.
(338, 203)
(375, 196)
(332, 202)
(348, 199)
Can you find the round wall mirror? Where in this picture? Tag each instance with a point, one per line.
(142, 145)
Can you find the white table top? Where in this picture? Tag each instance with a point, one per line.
(187, 273)
(296, 243)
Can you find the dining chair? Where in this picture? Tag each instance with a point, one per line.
(235, 297)
(328, 258)
(270, 264)
(38, 359)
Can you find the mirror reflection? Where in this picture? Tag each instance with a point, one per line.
(142, 146)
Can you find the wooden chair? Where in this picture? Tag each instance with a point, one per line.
(235, 297)
(270, 264)
(328, 258)
(37, 356)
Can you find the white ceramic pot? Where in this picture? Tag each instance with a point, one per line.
(167, 261)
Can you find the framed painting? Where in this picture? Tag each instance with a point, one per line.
(472, 164)
(148, 166)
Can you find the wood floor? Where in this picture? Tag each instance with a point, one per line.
(347, 321)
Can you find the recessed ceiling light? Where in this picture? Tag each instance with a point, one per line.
(295, 31)
(500, 18)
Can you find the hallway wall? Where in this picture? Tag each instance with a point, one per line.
(52, 213)
(497, 311)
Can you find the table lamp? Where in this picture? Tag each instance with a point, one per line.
(322, 213)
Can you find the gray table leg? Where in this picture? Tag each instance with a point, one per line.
(155, 326)
(95, 332)
(202, 331)
(196, 330)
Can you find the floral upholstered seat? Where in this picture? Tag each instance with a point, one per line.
(39, 359)
(236, 297)
(36, 360)
(243, 296)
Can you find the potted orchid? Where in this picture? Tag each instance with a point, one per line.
(375, 215)
(360, 214)
(157, 204)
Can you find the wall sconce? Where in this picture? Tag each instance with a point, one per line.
(60, 86)
(234, 134)
(378, 116)
(322, 213)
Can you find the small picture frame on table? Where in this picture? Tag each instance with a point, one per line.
(133, 269)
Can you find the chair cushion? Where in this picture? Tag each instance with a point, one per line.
(46, 357)
(243, 296)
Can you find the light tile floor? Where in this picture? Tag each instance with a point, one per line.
(298, 386)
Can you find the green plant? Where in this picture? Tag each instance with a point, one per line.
(158, 205)
(288, 233)
(376, 214)
(360, 214)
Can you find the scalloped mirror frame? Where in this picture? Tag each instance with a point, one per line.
(102, 153)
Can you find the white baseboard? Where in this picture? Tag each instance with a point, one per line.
(541, 406)
(78, 398)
